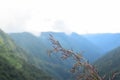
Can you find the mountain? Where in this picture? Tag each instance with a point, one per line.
(109, 63)
(14, 62)
(76, 42)
(40, 44)
(106, 41)
(38, 47)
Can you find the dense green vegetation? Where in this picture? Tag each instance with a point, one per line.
(109, 63)
(14, 62)
(27, 72)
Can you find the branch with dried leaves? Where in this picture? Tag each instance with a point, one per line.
(83, 69)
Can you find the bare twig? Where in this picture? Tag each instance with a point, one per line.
(81, 65)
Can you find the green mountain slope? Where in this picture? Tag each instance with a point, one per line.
(109, 63)
(27, 72)
(38, 50)
(14, 62)
(38, 46)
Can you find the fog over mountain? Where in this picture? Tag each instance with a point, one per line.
(82, 17)
(91, 27)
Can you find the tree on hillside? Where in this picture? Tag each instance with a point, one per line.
(82, 68)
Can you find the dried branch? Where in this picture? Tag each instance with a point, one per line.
(81, 65)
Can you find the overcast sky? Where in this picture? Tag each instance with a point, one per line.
(81, 16)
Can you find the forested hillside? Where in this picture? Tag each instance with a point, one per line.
(110, 63)
(14, 62)
(38, 47)
(90, 48)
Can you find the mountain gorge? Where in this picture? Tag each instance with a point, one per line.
(38, 46)
(110, 44)
(24, 56)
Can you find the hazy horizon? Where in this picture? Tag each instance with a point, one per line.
(82, 17)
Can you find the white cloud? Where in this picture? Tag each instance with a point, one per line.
(81, 16)
(60, 26)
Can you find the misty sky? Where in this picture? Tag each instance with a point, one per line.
(81, 16)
